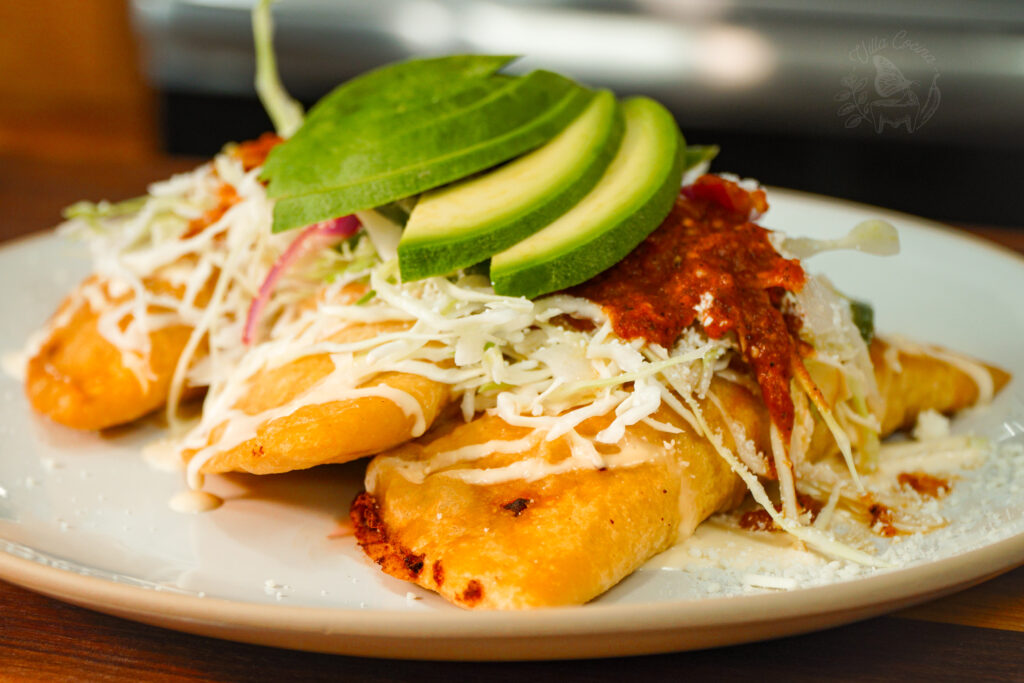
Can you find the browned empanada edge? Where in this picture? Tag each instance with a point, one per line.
(948, 391)
(397, 560)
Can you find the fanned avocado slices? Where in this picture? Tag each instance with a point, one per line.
(630, 200)
(467, 222)
(411, 127)
(549, 180)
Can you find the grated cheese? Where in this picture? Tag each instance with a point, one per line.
(506, 356)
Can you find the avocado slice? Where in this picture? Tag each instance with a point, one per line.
(469, 221)
(630, 200)
(407, 85)
(338, 163)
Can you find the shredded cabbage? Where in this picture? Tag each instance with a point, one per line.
(207, 280)
(508, 356)
(285, 112)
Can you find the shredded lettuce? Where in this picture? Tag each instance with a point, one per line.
(384, 232)
(397, 212)
(104, 209)
(284, 111)
(864, 318)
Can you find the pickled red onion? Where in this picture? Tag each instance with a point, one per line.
(317, 235)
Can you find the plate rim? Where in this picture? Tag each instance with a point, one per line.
(686, 624)
(328, 627)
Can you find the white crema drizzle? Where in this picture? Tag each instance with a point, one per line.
(506, 356)
(231, 255)
(500, 354)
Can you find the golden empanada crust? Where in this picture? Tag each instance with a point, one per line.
(79, 379)
(565, 538)
(329, 432)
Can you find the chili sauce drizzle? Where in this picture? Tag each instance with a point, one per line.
(252, 154)
(708, 262)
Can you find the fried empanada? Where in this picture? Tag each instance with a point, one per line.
(294, 431)
(909, 384)
(549, 538)
(79, 378)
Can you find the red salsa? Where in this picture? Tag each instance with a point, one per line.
(226, 198)
(709, 263)
(924, 483)
(253, 153)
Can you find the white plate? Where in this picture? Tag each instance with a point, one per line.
(85, 519)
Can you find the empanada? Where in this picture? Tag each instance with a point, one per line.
(298, 415)
(483, 537)
(79, 378)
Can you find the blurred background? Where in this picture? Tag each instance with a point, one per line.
(910, 105)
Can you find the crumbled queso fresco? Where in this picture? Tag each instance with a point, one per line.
(985, 505)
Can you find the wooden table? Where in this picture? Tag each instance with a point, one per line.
(975, 635)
